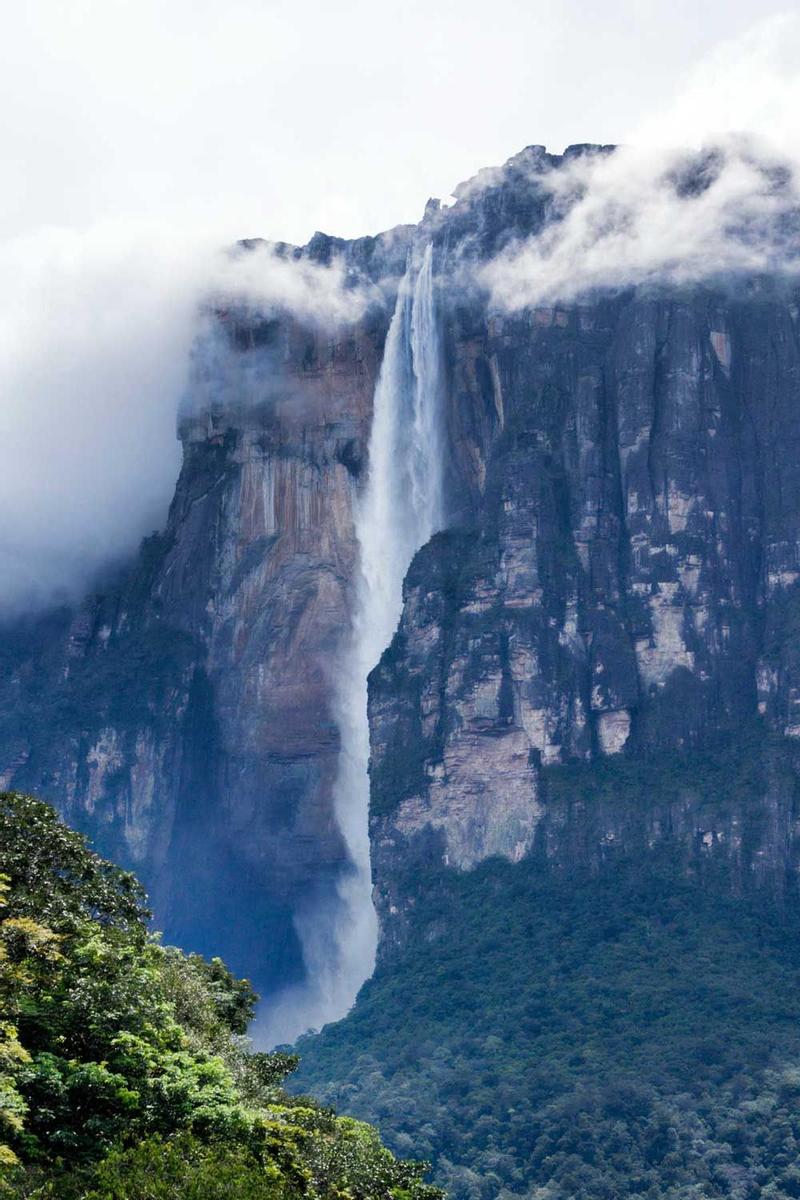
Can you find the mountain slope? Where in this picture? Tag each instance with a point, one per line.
(616, 590)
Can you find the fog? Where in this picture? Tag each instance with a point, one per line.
(706, 188)
(95, 332)
(639, 217)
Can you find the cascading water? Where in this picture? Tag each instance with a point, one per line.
(400, 509)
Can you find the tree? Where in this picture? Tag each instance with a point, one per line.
(124, 1066)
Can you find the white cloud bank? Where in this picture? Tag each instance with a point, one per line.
(642, 216)
(95, 331)
(95, 325)
(628, 218)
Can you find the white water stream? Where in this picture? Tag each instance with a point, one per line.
(399, 510)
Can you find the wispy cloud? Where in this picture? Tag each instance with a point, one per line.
(642, 216)
(95, 332)
(689, 196)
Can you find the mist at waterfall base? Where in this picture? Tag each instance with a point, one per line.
(401, 507)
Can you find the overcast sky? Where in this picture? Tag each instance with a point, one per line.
(138, 135)
(279, 117)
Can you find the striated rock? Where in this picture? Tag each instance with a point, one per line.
(623, 581)
(620, 575)
(183, 716)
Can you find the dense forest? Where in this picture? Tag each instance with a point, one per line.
(125, 1071)
(546, 1035)
(564, 1035)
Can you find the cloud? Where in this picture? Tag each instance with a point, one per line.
(722, 203)
(97, 315)
(651, 217)
(95, 333)
(748, 82)
(269, 279)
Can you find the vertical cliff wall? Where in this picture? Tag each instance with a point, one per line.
(184, 715)
(624, 580)
(619, 573)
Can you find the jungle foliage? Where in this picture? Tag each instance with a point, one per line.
(125, 1070)
(630, 1031)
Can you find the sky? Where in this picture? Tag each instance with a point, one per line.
(279, 117)
(139, 137)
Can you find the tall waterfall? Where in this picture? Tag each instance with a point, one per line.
(399, 510)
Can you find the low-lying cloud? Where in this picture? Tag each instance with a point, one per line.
(686, 198)
(639, 216)
(95, 333)
(264, 277)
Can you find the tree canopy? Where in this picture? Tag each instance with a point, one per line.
(124, 1065)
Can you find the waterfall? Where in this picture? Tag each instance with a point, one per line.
(399, 510)
(402, 506)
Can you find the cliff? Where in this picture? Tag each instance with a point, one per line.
(182, 715)
(619, 574)
(625, 581)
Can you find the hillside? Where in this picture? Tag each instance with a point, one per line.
(125, 1071)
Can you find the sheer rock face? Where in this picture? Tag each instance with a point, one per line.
(621, 574)
(624, 579)
(184, 717)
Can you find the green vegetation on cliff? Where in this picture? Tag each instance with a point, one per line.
(592, 1033)
(125, 1072)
